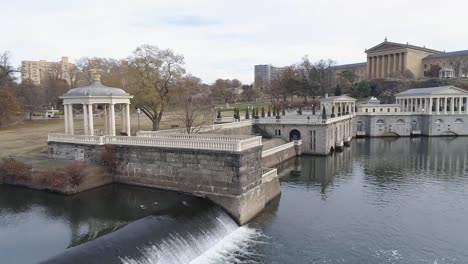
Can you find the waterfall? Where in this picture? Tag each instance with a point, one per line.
(215, 240)
(194, 234)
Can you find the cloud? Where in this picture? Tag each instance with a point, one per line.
(189, 21)
(224, 39)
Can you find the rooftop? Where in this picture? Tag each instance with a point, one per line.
(96, 89)
(432, 90)
(352, 65)
(448, 54)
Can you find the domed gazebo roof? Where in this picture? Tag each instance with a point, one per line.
(96, 93)
(95, 89)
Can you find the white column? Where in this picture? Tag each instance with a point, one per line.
(112, 120)
(466, 105)
(452, 105)
(445, 105)
(91, 123)
(122, 118)
(129, 131)
(460, 104)
(71, 129)
(106, 119)
(430, 105)
(437, 105)
(85, 119)
(65, 117)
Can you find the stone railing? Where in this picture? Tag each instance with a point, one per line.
(269, 174)
(302, 121)
(79, 139)
(207, 142)
(236, 145)
(274, 150)
(203, 137)
(203, 129)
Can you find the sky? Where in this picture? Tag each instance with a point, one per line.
(225, 39)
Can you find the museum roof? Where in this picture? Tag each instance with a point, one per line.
(352, 65)
(430, 90)
(448, 54)
(387, 45)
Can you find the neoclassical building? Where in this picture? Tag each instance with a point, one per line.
(390, 59)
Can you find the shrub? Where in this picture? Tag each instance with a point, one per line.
(108, 159)
(54, 178)
(15, 171)
(75, 173)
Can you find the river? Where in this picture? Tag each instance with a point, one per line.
(396, 200)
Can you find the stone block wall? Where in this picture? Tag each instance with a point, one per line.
(201, 171)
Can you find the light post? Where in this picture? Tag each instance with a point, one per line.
(138, 114)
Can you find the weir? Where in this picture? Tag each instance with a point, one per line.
(226, 169)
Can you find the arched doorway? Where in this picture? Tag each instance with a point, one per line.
(294, 135)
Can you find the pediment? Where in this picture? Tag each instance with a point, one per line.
(386, 46)
(452, 90)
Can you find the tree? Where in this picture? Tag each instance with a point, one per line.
(319, 76)
(223, 90)
(31, 97)
(364, 89)
(9, 105)
(194, 102)
(251, 94)
(338, 90)
(153, 73)
(54, 88)
(433, 71)
(6, 70)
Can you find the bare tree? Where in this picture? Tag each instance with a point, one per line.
(6, 69)
(153, 73)
(320, 76)
(31, 97)
(195, 104)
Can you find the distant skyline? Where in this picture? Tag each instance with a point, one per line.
(221, 39)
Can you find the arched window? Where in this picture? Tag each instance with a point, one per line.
(380, 122)
(458, 121)
(400, 122)
(439, 121)
(373, 109)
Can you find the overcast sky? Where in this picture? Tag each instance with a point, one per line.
(225, 39)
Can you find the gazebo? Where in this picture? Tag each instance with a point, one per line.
(97, 95)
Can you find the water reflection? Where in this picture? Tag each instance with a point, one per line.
(57, 222)
(380, 201)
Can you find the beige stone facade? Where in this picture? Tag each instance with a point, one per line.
(389, 59)
(38, 71)
(359, 70)
(394, 60)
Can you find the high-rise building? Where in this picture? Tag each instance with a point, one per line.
(264, 74)
(38, 71)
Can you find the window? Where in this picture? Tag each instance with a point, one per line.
(380, 122)
(396, 110)
(373, 110)
(458, 121)
(381, 110)
(388, 110)
(367, 110)
(400, 122)
(439, 121)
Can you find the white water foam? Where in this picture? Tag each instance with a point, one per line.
(225, 243)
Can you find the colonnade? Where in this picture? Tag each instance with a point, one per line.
(88, 119)
(435, 105)
(341, 108)
(381, 66)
